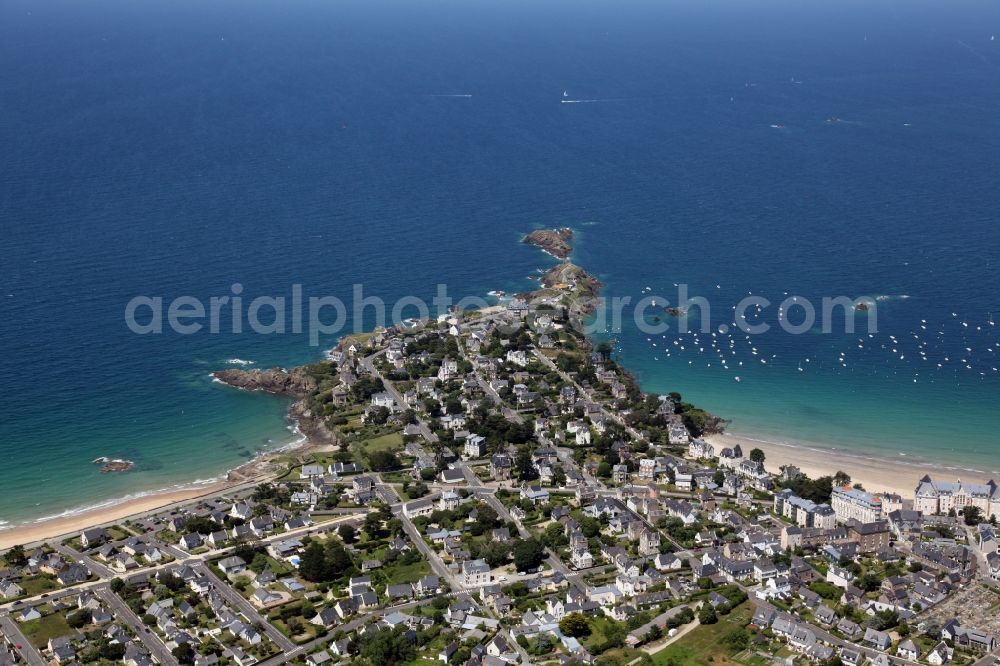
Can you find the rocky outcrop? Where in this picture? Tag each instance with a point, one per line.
(113, 464)
(294, 382)
(554, 241)
(311, 424)
(297, 383)
(572, 286)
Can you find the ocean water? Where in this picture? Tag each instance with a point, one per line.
(176, 148)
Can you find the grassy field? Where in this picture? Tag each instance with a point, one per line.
(397, 574)
(703, 645)
(35, 585)
(599, 626)
(41, 630)
(389, 442)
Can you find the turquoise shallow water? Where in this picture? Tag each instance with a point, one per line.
(175, 148)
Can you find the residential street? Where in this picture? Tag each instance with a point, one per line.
(246, 608)
(144, 633)
(26, 649)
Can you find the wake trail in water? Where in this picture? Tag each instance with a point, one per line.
(594, 101)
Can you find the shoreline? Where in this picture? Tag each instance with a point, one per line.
(875, 473)
(114, 512)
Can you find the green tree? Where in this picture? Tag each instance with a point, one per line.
(347, 533)
(387, 648)
(523, 464)
(757, 455)
(869, 582)
(111, 651)
(841, 478)
(574, 624)
(590, 526)
(884, 620)
(972, 515)
(558, 477)
(528, 554)
(201, 525)
(259, 563)
(313, 565)
(373, 526)
(183, 653)
(340, 561)
(383, 461)
(706, 615)
(78, 618)
(495, 553)
(554, 536)
(737, 639)
(15, 556)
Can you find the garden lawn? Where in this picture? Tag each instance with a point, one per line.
(41, 630)
(35, 585)
(703, 644)
(388, 442)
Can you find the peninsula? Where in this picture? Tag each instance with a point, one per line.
(490, 488)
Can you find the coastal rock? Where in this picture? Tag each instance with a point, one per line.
(294, 382)
(554, 241)
(311, 424)
(113, 464)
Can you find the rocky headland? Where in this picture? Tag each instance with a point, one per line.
(554, 241)
(294, 382)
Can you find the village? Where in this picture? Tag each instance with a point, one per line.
(501, 492)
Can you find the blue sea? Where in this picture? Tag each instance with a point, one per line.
(174, 148)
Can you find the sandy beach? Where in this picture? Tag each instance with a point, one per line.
(875, 474)
(246, 475)
(47, 529)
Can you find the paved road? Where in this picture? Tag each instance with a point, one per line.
(142, 632)
(614, 416)
(565, 456)
(27, 651)
(989, 659)
(487, 495)
(661, 620)
(236, 599)
(826, 637)
(507, 412)
(356, 623)
(437, 565)
(367, 362)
